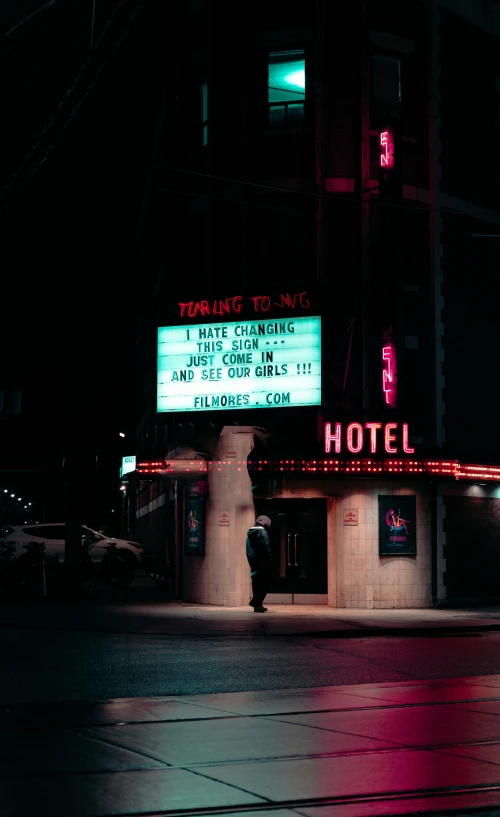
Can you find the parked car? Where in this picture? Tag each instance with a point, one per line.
(53, 536)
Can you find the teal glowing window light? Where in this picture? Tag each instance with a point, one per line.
(286, 87)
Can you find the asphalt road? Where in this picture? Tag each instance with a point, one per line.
(39, 665)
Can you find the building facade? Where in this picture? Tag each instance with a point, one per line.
(322, 271)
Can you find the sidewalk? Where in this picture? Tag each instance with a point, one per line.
(349, 751)
(143, 610)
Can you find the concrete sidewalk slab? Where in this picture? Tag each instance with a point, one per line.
(348, 751)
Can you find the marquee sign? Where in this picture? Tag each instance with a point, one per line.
(378, 436)
(236, 365)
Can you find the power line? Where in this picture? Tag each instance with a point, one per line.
(38, 153)
(332, 197)
(29, 16)
(227, 201)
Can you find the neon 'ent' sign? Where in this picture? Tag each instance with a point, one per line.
(387, 149)
(378, 434)
(389, 374)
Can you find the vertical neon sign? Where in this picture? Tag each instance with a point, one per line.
(387, 149)
(389, 374)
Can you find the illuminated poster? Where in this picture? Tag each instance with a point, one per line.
(397, 522)
(238, 365)
(195, 526)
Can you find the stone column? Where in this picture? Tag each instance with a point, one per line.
(222, 576)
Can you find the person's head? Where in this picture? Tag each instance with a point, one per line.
(264, 521)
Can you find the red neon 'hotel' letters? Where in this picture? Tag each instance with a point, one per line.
(355, 437)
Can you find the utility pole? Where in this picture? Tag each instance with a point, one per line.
(365, 194)
(73, 551)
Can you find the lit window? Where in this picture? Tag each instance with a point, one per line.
(204, 112)
(386, 81)
(286, 88)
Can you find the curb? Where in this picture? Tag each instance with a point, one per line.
(360, 631)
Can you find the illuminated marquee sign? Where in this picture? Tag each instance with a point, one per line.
(246, 364)
(380, 437)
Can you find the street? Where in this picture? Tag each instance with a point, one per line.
(48, 666)
(232, 712)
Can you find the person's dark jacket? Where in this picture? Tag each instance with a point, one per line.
(258, 549)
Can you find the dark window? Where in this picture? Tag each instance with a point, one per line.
(47, 531)
(286, 88)
(204, 112)
(386, 81)
(32, 530)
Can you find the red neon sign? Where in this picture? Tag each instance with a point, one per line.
(261, 303)
(389, 374)
(355, 447)
(355, 438)
(373, 428)
(387, 149)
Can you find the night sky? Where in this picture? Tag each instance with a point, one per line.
(72, 217)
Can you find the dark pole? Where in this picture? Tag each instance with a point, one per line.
(73, 552)
(92, 25)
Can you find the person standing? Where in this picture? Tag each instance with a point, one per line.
(259, 559)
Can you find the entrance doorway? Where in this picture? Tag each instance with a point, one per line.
(298, 538)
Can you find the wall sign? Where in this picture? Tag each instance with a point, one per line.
(128, 465)
(194, 535)
(224, 518)
(350, 516)
(397, 522)
(247, 364)
(378, 436)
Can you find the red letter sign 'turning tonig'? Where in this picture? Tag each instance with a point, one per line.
(355, 440)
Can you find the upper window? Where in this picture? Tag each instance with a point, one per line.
(286, 88)
(204, 112)
(386, 81)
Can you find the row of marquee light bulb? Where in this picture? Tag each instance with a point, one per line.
(444, 467)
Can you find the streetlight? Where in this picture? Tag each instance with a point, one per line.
(122, 434)
(12, 496)
(6, 490)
